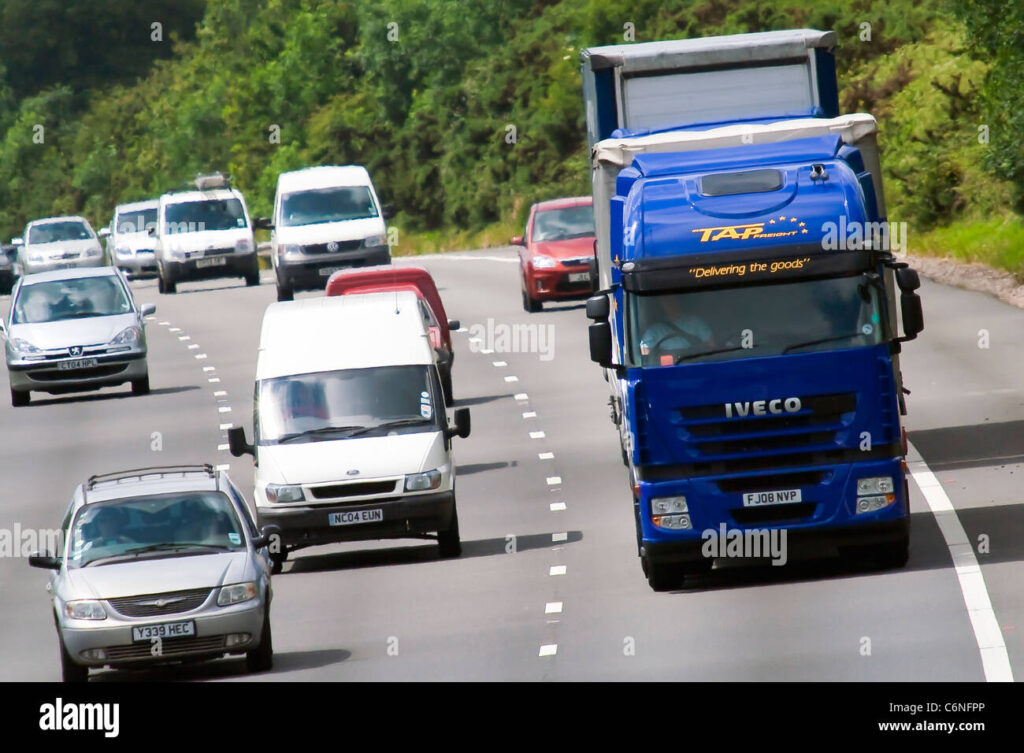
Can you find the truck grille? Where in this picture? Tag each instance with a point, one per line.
(174, 602)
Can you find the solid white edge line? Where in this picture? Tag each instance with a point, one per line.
(994, 659)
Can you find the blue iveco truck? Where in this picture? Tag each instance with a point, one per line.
(747, 315)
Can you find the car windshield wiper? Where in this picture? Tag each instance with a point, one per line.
(77, 315)
(391, 425)
(823, 340)
(688, 356)
(318, 431)
(165, 547)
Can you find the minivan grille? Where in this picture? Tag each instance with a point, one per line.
(149, 605)
(168, 647)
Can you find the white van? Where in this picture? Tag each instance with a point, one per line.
(325, 218)
(204, 233)
(351, 435)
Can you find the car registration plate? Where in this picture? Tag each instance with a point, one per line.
(184, 629)
(213, 261)
(779, 497)
(579, 277)
(328, 271)
(354, 517)
(78, 363)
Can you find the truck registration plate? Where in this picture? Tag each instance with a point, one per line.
(779, 497)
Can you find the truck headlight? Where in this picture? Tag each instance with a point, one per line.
(127, 336)
(85, 609)
(666, 505)
(284, 493)
(421, 482)
(23, 347)
(543, 262)
(674, 522)
(876, 485)
(236, 594)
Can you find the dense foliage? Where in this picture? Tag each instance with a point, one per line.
(465, 111)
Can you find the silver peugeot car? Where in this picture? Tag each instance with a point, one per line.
(160, 565)
(72, 330)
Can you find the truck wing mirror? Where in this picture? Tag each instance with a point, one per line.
(907, 279)
(601, 343)
(598, 308)
(913, 316)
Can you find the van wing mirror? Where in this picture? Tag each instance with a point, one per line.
(262, 223)
(462, 424)
(454, 325)
(238, 444)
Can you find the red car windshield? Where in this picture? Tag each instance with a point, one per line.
(562, 224)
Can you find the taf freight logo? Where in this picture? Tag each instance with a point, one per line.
(783, 227)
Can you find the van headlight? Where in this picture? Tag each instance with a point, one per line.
(291, 250)
(123, 251)
(93, 252)
(284, 493)
(236, 594)
(85, 609)
(375, 240)
(421, 482)
(243, 246)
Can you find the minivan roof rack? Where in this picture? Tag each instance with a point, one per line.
(159, 470)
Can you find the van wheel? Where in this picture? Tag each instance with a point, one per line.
(261, 658)
(69, 671)
(166, 285)
(20, 399)
(252, 277)
(448, 542)
(277, 560)
(285, 293)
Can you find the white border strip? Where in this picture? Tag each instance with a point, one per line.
(994, 659)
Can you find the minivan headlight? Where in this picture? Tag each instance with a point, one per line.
(421, 482)
(236, 594)
(85, 609)
(284, 493)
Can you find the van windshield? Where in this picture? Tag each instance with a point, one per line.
(348, 404)
(327, 205)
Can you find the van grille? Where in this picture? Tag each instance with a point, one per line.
(356, 489)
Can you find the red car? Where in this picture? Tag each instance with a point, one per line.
(554, 260)
(355, 280)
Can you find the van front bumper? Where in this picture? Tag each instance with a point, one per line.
(410, 515)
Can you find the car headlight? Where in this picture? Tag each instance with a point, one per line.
(85, 609)
(877, 485)
(375, 240)
(543, 262)
(243, 246)
(421, 482)
(123, 251)
(127, 336)
(666, 505)
(93, 252)
(23, 346)
(284, 493)
(291, 249)
(176, 252)
(236, 594)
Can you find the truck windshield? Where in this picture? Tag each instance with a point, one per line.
(344, 404)
(753, 322)
(327, 205)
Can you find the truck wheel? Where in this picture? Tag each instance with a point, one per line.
(891, 556)
(261, 658)
(448, 542)
(662, 576)
(69, 671)
(20, 399)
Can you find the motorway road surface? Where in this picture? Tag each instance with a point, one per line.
(541, 436)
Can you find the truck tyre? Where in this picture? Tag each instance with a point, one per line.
(20, 399)
(662, 576)
(448, 542)
(892, 555)
(261, 658)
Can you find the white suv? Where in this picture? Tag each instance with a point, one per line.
(203, 234)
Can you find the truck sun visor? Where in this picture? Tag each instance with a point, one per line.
(748, 181)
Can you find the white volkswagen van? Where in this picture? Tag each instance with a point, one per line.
(351, 435)
(325, 218)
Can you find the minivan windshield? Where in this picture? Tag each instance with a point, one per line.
(70, 299)
(331, 405)
(154, 527)
(211, 214)
(327, 205)
(56, 232)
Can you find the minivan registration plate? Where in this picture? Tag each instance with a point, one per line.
(353, 517)
(213, 261)
(185, 629)
(780, 497)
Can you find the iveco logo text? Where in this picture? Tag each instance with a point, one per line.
(763, 407)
